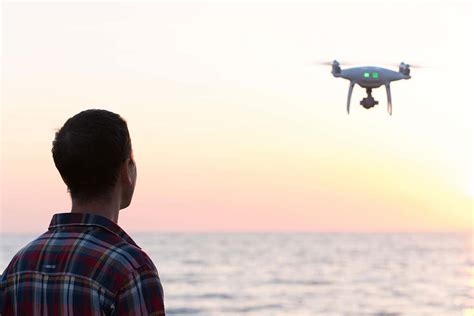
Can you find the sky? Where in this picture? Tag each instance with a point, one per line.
(234, 125)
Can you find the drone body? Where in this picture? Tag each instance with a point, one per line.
(370, 78)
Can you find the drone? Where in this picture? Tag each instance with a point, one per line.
(369, 77)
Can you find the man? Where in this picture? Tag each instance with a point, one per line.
(85, 264)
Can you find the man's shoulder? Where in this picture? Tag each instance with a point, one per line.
(122, 256)
(137, 256)
(125, 262)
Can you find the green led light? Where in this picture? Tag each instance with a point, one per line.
(366, 75)
(375, 75)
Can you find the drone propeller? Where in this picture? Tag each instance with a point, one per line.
(330, 63)
(416, 66)
(323, 63)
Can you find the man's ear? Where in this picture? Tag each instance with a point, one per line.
(128, 171)
(132, 169)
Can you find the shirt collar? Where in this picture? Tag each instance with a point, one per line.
(84, 219)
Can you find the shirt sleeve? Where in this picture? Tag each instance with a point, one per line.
(2, 291)
(141, 295)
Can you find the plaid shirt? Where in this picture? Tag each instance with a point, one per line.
(83, 265)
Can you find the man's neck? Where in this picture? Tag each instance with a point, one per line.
(107, 208)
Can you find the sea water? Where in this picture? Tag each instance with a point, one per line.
(307, 273)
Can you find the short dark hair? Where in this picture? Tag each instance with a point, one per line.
(89, 150)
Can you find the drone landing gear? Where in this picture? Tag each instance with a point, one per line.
(369, 102)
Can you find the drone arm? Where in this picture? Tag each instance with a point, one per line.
(389, 98)
(351, 87)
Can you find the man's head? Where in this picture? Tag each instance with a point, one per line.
(93, 154)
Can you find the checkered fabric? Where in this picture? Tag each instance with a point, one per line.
(83, 265)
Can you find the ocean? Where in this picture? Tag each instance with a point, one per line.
(307, 273)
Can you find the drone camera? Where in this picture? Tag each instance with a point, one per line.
(369, 101)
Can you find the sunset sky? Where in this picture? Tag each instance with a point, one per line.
(234, 127)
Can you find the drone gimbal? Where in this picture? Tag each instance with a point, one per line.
(369, 102)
